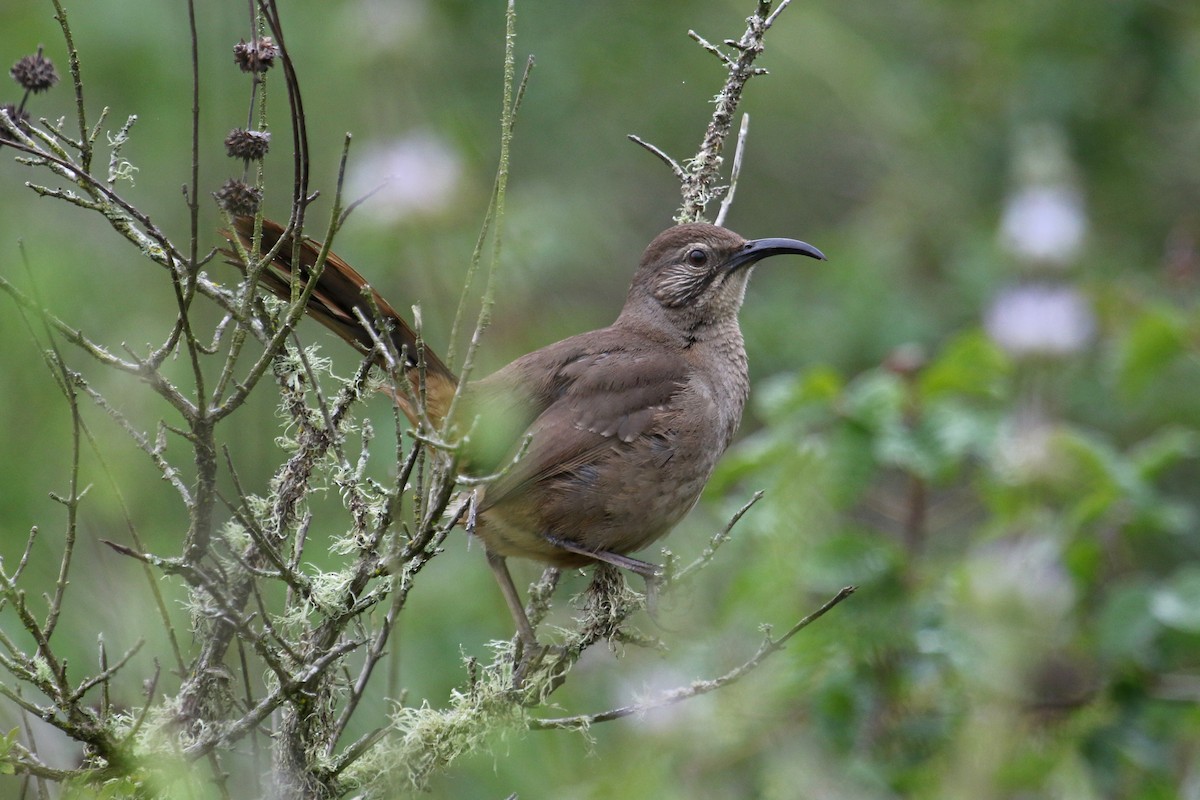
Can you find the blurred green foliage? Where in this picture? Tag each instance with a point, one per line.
(1022, 526)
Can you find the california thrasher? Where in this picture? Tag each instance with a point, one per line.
(622, 425)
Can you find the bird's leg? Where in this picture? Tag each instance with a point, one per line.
(509, 590)
(651, 573)
(530, 653)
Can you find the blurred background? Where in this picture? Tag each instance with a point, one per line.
(983, 410)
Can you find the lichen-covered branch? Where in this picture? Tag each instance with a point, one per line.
(699, 176)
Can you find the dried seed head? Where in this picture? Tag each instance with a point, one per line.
(238, 198)
(34, 73)
(256, 56)
(243, 56)
(19, 118)
(250, 145)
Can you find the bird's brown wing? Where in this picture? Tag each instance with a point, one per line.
(585, 406)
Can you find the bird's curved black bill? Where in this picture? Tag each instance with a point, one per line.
(758, 249)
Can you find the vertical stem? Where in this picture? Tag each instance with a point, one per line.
(85, 140)
(496, 212)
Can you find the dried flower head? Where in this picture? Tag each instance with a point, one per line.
(238, 198)
(256, 56)
(251, 145)
(34, 73)
(19, 118)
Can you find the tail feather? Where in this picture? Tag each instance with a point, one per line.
(339, 292)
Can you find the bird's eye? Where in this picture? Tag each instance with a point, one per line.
(697, 257)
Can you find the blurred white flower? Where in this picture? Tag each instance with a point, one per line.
(1044, 219)
(1040, 319)
(415, 174)
(1044, 223)
(1021, 573)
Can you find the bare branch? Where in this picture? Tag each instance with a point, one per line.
(697, 688)
(710, 47)
(671, 163)
(735, 171)
(721, 537)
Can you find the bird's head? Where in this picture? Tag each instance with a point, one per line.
(697, 273)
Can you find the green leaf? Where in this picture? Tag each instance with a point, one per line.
(1163, 449)
(1095, 475)
(1126, 626)
(875, 399)
(1156, 339)
(970, 365)
(783, 395)
(763, 450)
(1177, 604)
(859, 557)
(912, 450)
(962, 430)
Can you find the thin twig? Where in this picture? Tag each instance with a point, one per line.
(719, 538)
(676, 170)
(85, 154)
(712, 48)
(495, 214)
(735, 171)
(697, 688)
(54, 360)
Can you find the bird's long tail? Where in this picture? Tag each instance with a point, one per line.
(339, 301)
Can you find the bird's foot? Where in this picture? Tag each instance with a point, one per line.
(652, 574)
(538, 671)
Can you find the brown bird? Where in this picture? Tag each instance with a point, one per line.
(623, 425)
